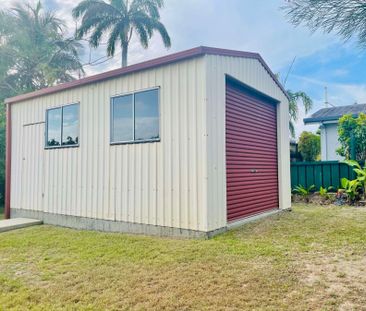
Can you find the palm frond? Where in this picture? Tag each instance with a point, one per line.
(151, 7)
(113, 38)
(103, 26)
(85, 6)
(292, 129)
(295, 97)
(120, 5)
(141, 20)
(158, 26)
(87, 26)
(144, 35)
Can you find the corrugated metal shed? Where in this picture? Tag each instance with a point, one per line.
(178, 182)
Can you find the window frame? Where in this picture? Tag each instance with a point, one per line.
(133, 141)
(61, 146)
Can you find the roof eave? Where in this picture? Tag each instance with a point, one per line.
(325, 119)
(165, 60)
(320, 120)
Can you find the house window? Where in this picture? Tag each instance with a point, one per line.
(62, 126)
(135, 117)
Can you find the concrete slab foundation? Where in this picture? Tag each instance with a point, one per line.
(17, 223)
(82, 223)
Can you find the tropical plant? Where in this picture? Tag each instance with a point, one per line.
(304, 192)
(295, 97)
(352, 135)
(351, 188)
(361, 174)
(347, 18)
(309, 146)
(34, 52)
(120, 19)
(324, 192)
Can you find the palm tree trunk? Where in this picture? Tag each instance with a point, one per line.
(124, 54)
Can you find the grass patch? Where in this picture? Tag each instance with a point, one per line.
(311, 258)
(1, 212)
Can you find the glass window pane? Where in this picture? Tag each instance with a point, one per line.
(53, 127)
(147, 115)
(70, 125)
(122, 123)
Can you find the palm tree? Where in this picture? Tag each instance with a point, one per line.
(34, 52)
(120, 19)
(294, 108)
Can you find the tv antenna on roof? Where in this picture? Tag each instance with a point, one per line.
(326, 102)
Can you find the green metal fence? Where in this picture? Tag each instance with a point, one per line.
(324, 173)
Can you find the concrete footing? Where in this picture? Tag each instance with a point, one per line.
(83, 223)
(17, 223)
(241, 222)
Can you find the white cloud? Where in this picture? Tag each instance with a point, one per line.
(258, 26)
(236, 24)
(338, 95)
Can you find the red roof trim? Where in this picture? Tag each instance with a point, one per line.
(199, 51)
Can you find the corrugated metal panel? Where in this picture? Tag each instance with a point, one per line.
(160, 183)
(32, 164)
(253, 74)
(251, 154)
(177, 182)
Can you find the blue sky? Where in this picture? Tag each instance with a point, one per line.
(251, 25)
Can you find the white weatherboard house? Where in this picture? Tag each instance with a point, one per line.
(187, 144)
(328, 119)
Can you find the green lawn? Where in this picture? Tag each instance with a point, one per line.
(310, 259)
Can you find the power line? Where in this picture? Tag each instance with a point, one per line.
(289, 71)
(100, 60)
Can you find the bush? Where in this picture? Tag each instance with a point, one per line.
(309, 146)
(352, 129)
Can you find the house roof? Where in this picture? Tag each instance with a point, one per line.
(334, 113)
(199, 51)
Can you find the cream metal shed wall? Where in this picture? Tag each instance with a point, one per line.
(160, 183)
(252, 73)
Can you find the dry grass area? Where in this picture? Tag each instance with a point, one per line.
(313, 258)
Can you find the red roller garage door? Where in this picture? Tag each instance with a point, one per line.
(251, 152)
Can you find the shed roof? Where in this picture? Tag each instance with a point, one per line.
(334, 113)
(195, 52)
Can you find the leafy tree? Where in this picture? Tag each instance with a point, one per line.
(120, 19)
(352, 131)
(295, 97)
(34, 52)
(344, 17)
(309, 146)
